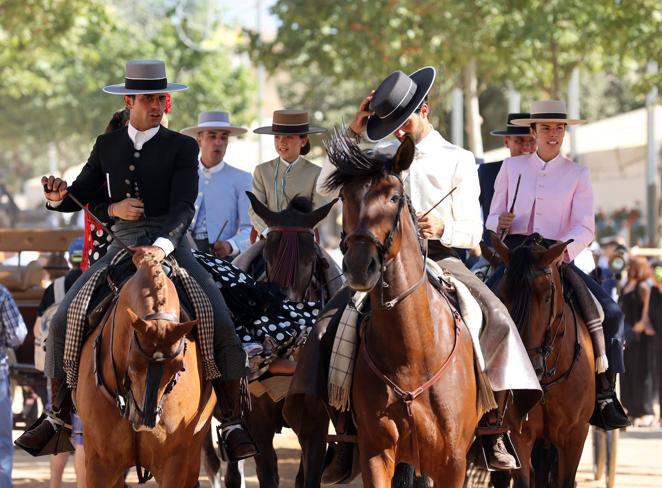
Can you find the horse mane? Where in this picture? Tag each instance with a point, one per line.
(350, 160)
(518, 284)
(157, 283)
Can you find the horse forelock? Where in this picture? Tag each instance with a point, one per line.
(351, 161)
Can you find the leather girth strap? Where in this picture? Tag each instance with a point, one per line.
(408, 397)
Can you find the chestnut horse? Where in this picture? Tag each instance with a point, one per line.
(561, 351)
(152, 370)
(414, 391)
(293, 261)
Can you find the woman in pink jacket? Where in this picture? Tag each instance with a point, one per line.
(555, 200)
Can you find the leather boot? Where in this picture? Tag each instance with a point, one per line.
(610, 409)
(340, 455)
(496, 451)
(236, 442)
(50, 433)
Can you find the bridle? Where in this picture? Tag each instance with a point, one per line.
(555, 325)
(123, 395)
(384, 247)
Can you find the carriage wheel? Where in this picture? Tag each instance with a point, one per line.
(612, 449)
(599, 452)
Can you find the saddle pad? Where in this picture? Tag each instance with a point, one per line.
(469, 308)
(268, 325)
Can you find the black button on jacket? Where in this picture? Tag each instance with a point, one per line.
(165, 174)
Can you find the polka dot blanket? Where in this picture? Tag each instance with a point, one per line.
(268, 324)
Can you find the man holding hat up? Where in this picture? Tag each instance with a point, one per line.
(399, 106)
(555, 200)
(148, 175)
(221, 224)
(276, 182)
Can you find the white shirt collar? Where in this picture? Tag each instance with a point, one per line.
(289, 164)
(208, 172)
(140, 138)
(544, 164)
(429, 143)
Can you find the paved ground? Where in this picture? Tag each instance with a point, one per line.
(639, 464)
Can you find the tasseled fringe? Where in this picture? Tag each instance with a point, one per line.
(601, 364)
(210, 369)
(486, 401)
(339, 397)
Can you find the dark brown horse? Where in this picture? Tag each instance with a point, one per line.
(414, 392)
(561, 351)
(146, 358)
(295, 263)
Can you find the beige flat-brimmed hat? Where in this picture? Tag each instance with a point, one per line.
(214, 120)
(289, 122)
(143, 77)
(548, 111)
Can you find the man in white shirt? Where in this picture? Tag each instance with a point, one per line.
(221, 223)
(438, 168)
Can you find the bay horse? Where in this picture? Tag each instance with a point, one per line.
(294, 264)
(150, 367)
(561, 351)
(414, 390)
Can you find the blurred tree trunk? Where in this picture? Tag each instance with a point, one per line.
(472, 109)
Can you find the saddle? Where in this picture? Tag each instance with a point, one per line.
(115, 277)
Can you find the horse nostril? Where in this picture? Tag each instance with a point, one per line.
(372, 267)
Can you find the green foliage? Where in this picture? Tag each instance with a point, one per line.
(57, 56)
(336, 50)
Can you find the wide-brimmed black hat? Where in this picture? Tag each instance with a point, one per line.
(512, 129)
(143, 77)
(395, 99)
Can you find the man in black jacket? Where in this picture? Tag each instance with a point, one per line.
(148, 176)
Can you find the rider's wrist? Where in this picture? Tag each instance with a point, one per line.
(110, 211)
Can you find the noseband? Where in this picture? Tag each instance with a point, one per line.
(384, 247)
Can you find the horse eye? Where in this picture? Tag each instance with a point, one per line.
(395, 198)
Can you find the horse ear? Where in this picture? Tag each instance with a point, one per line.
(178, 330)
(261, 209)
(501, 249)
(490, 255)
(316, 216)
(554, 253)
(405, 155)
(136, 322)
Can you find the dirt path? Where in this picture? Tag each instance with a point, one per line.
(639, 466)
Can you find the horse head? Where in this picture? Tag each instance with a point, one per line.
(373, 197)
(290, 250)
(533, 293)
(157, 343)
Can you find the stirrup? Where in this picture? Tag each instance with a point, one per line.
(59, 441)
(223, 447)
(481, 446)
(598, 419)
